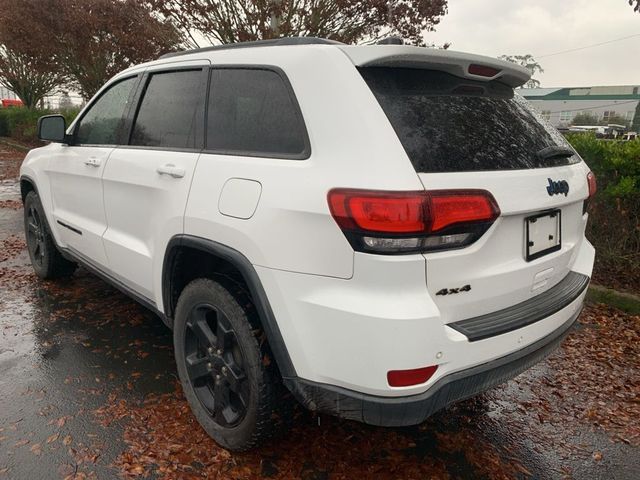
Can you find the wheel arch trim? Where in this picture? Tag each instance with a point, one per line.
(47, 211)
(31, 181)
(250, 276)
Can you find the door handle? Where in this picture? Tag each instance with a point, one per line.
(171, 170)
(93, 162)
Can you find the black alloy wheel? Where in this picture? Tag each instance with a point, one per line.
(223, 363)
(46, 259)
(36, 239)
(215, 365)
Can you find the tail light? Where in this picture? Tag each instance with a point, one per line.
(408, 222)
(407, 378)
(593, 188)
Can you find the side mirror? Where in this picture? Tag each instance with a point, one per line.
(52, 128)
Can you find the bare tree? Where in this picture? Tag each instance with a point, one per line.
(349, 21)
(30, 78)
(88, 40)
(103, 37)
(527, 61)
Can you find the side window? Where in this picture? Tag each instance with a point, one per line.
(251, 112)
(102, 122)
(168, 114)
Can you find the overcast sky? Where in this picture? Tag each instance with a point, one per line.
(496, 27)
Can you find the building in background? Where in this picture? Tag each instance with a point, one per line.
(561, 105)
(7, 94)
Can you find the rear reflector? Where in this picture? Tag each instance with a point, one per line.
(591, 180)
(404, 222)
(483, 70)
(593, 188)
(406, 378)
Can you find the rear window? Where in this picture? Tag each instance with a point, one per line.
(451, 124)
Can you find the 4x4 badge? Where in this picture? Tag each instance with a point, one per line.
(555, 188)
(451, 291)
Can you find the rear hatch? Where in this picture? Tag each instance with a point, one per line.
(466, 133)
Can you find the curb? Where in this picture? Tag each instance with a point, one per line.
(15, 146)
(627, 302)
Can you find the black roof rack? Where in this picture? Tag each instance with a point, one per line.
(259, 43)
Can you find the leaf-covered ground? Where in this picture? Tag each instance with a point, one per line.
(590, 386)
(88, 390)
(10, 160)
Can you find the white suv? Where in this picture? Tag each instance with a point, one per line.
(381, 229)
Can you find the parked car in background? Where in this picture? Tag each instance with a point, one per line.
(381, 230)
(601, 131)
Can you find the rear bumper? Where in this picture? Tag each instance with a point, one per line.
(414, 409)
(350, 333)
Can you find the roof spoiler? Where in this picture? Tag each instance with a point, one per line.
(465, 65)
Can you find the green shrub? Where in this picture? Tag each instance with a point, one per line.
(21, 123)
(615, 163)
(70, 114)
(614, 225)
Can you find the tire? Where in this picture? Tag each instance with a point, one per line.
(46, 260)
(216, 339)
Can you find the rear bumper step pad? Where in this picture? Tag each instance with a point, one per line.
(525, 313)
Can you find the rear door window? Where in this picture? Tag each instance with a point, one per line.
(451, 124)
(168, 114)
(253, 112)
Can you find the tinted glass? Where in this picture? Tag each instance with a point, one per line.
(101, 124)
(251, 111)
(450, 124)
(168, 114)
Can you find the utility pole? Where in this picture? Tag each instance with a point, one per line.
(275, 20)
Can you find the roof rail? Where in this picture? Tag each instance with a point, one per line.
(258, 43)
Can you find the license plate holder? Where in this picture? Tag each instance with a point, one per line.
(543, 234)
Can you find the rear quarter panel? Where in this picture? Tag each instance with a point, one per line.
(351, 146)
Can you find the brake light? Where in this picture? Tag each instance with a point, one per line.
(483, 70)
(378, 211)
(406, 222)
(407, 378)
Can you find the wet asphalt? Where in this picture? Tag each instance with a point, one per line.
(70, 349)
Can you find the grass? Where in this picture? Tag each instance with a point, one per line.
(626, 302)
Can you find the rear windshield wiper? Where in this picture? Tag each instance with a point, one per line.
(554, 151)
